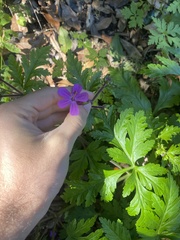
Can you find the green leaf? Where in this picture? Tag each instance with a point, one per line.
(143, 180)
(16, 71)
(128, 91)
(126, 12)
(79, 192)
(116, 47)
(58, 68)
(168, 67)
(133, 136)
(135, 14)
(91, 79)
(93, 54)
(64, 40)
(83, 158)
(22, 21)
(33, 66)
(168, 132)
(118, 155)
(110, 183)
(168, 95)
(174, 7)
(148, 177)
(11, 47)
(75, 230)
(173, 156)
(114, 230)
(165, 35)
(94, 235)
(74, 69)
(107, 119)
(164, 220)
(4, 18)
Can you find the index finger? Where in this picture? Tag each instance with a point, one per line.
(41, 99)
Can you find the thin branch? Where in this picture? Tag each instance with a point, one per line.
(34, 10)
(14, 88)
(10, 95)
(107, 79)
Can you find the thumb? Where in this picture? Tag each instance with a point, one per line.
(71, 128)
(73, 125)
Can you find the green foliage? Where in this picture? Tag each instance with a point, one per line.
(99, 57)
(165, 34)
(6, 34)
(135, 13)
(133, 136)
(25, 75)
(75, 73)
(115, 230)
(58, 69)
(169, 151)
(75, 230)
(123, 179)
(168, 95)
(164, 220)
(82, 39)
(167, 67)
(82, 158)
(127, 90)
(64, 40)
(174, 7)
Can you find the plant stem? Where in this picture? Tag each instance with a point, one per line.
(9, 85)
(11, 95)
(107, 79)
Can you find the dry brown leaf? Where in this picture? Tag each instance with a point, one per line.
(24, 44)
(88, 64)
(64, 83)
(51, 20)
(107, 39)
(105, 71)
(103, 23)
(81, 55)
(70, 17)
(52, 38)
(131, 50)
(16, 27)
(96, 4)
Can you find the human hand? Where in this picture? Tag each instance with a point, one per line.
(34, 158)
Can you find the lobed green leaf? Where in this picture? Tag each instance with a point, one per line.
(115, 230)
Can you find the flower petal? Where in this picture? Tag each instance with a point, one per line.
(74, 109)
(77, 88)
(64, 103)
(63, 92)
(82, 97)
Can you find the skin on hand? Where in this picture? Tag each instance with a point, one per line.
(34, 157)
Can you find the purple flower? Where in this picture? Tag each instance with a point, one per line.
(52, 234)
(72, 98)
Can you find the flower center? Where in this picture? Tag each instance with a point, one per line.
(73, 95)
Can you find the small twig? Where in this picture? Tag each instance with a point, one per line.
(101, 89)
(14, 88)
(115, 164)
(35, 14)
(102, 107)
(10, 95)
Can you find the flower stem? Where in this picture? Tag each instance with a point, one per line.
(107, 79)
